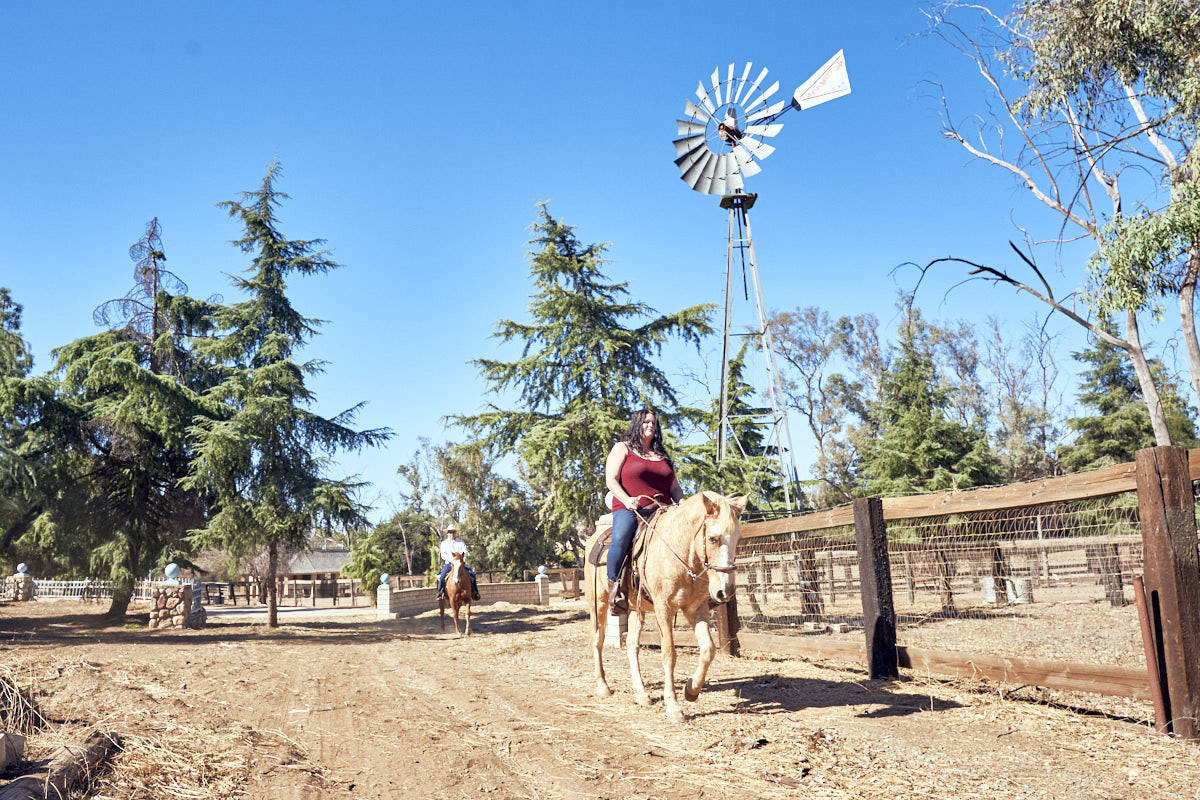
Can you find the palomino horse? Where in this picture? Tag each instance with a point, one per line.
(686, 563)
(458, 593)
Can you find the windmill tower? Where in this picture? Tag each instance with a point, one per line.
(722, 141)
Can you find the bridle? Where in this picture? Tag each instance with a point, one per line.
(707, 566)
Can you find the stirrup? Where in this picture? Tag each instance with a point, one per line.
(618, 603)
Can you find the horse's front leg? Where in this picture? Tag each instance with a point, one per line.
(468, 619)
(698, 617)
(632, 643)
(454, 612)
(666, 618)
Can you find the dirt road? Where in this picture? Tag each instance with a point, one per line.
(356, 708)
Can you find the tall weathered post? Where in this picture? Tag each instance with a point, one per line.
(875, 571)
(726, 618)
(1166, 506)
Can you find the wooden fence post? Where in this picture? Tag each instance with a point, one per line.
(1168, 518)
(875, 580)
(727, 627)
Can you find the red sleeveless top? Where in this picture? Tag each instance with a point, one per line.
(644, 476)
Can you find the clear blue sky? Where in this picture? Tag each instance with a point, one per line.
(417, 137)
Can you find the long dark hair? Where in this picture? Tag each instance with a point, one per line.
(633, 436)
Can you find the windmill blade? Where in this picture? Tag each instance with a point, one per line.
(745, 161)
(718, 182)
(759, 149)
(695, 112)
(767, 111)
(703, 97)
(729, 83)
(764, 130)
(685, 127)
(762, 98)
(733, 183)
(754, 87)
(685, 161)
(707, 175)
(692, 176)
(831, 81)
(687, 144)
(737, 97)
(716, 85)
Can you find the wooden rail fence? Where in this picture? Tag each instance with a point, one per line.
(1163, 478)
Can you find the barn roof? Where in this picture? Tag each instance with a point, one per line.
(315, 561)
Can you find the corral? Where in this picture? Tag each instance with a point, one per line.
(376, 702)
(345, 707)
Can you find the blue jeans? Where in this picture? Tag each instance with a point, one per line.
(446, 571)
(624, 526)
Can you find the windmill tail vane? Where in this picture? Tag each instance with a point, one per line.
(723, 138)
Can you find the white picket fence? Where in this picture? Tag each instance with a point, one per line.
(87, 589)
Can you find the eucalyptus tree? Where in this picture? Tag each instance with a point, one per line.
(832, 369)
(586, 364)
(1025, 401)
(1092, 95)
(260, 449)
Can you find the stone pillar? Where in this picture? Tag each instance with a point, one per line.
(171, 607)
(385, 601)
(21, 586)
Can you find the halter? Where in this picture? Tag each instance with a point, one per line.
(707, 566)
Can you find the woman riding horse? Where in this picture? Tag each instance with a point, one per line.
(640, 476)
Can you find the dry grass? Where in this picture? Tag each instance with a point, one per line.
(18, 712)
(160, 754)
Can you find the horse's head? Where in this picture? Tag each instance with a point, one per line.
(718, 540)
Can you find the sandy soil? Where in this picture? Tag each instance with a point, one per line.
(346, 707)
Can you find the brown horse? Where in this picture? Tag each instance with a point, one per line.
(458, 593)
(686, 563)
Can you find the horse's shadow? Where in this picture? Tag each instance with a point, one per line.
(776, 694)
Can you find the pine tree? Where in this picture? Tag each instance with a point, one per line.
(750, 466)
(1120, 424)
(106, 436)
(18, 506)
(261, 450)
(918, 448)
(581, 374)
(136, 389)
(15, 358)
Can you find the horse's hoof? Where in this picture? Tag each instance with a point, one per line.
(690, 694)
(602, 690)
(675, 715)
(642, 699)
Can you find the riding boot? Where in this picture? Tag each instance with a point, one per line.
(474, 590)
(617, 603)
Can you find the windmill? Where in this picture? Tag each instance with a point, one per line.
(722, 141)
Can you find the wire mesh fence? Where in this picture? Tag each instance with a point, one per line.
(799, 582)
(1050, 581)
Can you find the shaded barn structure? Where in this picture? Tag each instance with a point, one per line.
(313, 574)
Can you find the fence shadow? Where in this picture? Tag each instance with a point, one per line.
(772, 693)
